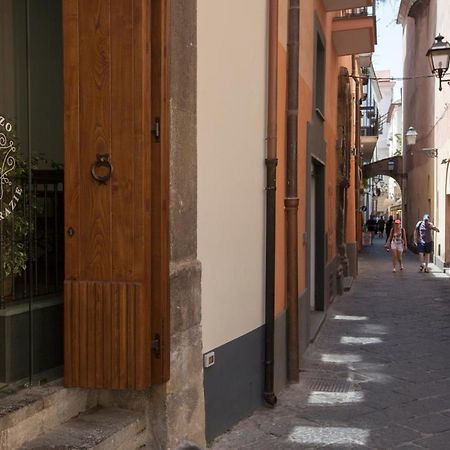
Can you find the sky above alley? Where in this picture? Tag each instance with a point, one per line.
(388, 52)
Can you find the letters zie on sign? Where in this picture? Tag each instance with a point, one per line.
(9, 193)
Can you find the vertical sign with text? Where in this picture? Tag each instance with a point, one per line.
(10, 192)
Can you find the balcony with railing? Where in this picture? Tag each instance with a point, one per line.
(354, 31)
(336, 5)
(370, 122)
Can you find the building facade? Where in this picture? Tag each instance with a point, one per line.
(395, 124)
(317, 192)
(382, 150)
(186, 201)
(425, 109)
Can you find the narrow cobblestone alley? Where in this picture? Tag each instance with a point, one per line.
(377, 376)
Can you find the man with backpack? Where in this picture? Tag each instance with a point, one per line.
(423, 239)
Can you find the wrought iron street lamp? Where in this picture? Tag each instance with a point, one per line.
(439, 57)
(411, 136)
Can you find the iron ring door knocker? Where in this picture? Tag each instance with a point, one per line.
(102, 161)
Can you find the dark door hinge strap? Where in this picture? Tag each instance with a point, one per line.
(156, 346)
(156, 128)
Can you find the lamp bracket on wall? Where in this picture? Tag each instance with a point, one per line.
(430, 152)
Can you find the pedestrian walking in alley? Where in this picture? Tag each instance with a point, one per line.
(377, 342)
(396, 243)
(381, 224)
(371, 226)
(389, 224)
(423, 239)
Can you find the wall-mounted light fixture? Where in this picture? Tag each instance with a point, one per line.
(365, 59)
(391, 165)
(411, 136)
(439, 57)
(430, 152)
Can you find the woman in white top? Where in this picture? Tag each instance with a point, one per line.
(397, 243)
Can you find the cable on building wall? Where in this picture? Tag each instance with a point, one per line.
(444, 112)
(356, 77)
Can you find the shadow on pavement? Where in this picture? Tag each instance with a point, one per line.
(378, 375)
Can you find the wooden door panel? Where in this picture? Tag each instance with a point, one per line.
(95, 85)
(71, 144)
(108, 225)
(122, 129)
(107, 351)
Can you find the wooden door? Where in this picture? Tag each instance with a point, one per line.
(109, 326)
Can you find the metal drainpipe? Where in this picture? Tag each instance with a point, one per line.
(291, 200)
(271, 164)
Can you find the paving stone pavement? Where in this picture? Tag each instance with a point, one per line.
(376, 377)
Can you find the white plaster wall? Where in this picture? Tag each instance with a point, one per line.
(387, 92)
(396, 130)
(395, 144)
(382, 147)
(232, 37)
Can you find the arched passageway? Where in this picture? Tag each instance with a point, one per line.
(384, 184)
(390, 167)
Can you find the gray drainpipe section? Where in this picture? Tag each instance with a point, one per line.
(271, 164)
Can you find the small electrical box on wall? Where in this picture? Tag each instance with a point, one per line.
(209, 359)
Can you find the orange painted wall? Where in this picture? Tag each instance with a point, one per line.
(350, 230)
(306, 77)
(309, 10)
(331, 79)
(333, 66)
(280, 238)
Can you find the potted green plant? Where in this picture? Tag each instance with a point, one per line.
(15, 223)
(14, 251)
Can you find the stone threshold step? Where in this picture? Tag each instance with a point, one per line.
(98, 428)
(30, 412)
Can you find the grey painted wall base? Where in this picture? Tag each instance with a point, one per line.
(304, 324)
(352, 255)
(330, 282)
(304, 337)
(280, 370)
(234, 384)
(439, 262)
(316, 321)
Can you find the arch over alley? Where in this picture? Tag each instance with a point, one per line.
(390, 167)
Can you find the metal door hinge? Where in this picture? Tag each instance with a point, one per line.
(156, 346)
(156, 128)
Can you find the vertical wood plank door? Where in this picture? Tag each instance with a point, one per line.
(107, 77)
